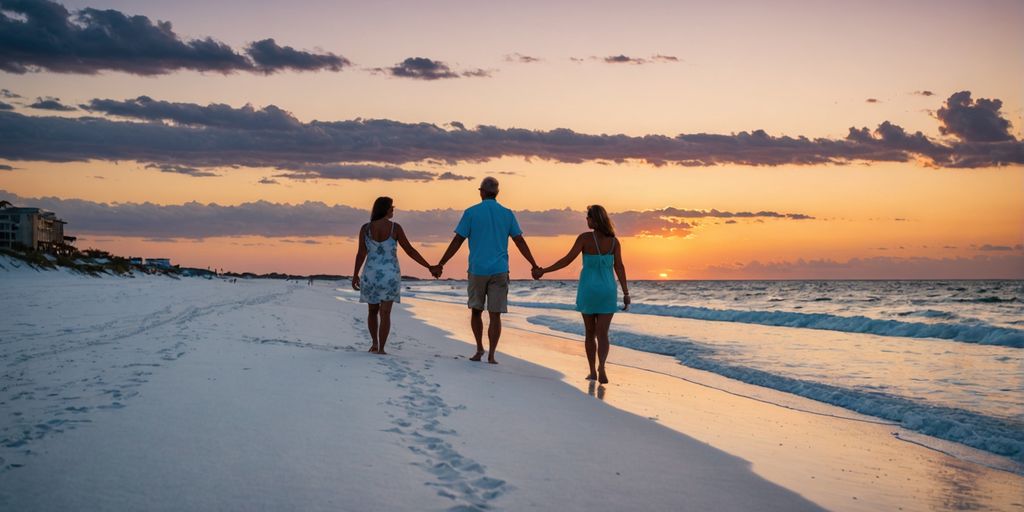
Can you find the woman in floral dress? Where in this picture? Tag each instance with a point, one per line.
(380, 285)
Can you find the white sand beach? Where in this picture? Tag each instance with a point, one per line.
(153, 393)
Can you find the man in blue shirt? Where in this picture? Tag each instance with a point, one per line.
(488, 226)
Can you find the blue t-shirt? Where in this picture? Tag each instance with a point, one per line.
(488, 225)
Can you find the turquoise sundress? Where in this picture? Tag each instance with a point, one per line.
(597, 293)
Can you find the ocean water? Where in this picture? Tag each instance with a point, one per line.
(943, 358)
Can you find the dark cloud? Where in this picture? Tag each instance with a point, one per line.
(6, 93)
(268, 181)
(51, 104)
(43, 35)
(269, 57)
(182, 169)
(218, 135)
(622, 59)
(577, 59)
(311, 219)
(421, 68)
(214, 115)
(520, 58)
(448, 175)
(973, 121)
(924, 93)
(5, 167)
(872, 100)
(356, 172)
(6, 106)
(990, 247)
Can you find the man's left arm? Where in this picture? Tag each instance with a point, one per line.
(524, 249)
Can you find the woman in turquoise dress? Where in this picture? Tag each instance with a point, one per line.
(596, 296)
(380, 285)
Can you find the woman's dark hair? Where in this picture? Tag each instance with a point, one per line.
(602, 222)
(380, 208)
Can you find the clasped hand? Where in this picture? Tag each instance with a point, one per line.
(537, 272)
(436, 270)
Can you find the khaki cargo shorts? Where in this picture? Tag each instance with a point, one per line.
(489, 292)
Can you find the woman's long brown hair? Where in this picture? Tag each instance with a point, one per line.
(602, 222)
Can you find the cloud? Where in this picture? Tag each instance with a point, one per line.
(311, 219)
(219, 135)
(358, 172)
(880, 267)
(6, 93)
(448, 175)
(216, 115)
(269, 57)
(51, 104)
(182, 169)
(622, 59)
(990, 247)
(5, 167)
(6, 106)
(924, 93)
(973, 121)
(521, 59)
(421, 68)
(43, 35)
(872, 100)
(268, 181)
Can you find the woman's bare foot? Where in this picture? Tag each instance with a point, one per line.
(477, 356)
(373, 349)
(592, 376)
(602, 376)
(382, 352)
(491, 360)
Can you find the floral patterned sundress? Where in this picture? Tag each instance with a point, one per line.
(381, 279)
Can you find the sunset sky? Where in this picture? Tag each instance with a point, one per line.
(728, 139)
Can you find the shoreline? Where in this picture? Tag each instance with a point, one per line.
(841, 472)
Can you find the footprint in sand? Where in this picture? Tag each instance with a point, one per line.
(418, 423)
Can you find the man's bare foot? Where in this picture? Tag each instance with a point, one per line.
(592, 376)
(373, 349)
(477, 356)
(603, 377)
(381, 352)
(491, 360)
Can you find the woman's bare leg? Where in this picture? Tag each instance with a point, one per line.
(589, 323)
(371, 324)
(603, 323)
(385, 324)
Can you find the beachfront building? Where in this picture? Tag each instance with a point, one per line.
(158, 262)
(33, 228)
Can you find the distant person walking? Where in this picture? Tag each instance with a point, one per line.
(380, 285)
(596, 294)
(488, 226)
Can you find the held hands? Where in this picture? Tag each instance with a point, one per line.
(355, 282)
(537, 272)
(436, 270)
